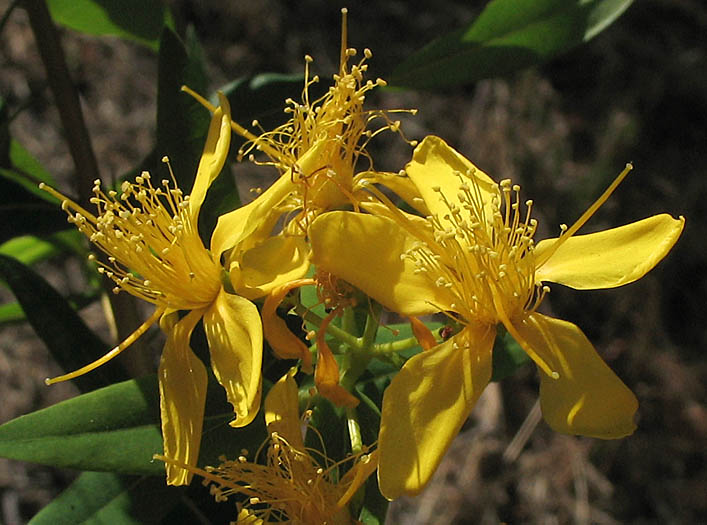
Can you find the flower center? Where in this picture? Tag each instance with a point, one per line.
(151, 238)
(482, 250)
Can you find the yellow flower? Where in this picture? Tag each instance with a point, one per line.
(155, 253)
(474, 257)
(317, 152)
(295, 485)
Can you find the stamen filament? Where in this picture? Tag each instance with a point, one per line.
(112, 353)
(585, 216)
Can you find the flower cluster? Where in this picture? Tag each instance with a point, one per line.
(464, 248)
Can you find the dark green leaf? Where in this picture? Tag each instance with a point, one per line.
(99, 498)
(182, 123)
(68, 338)
(11, 313)
(507, 36)
(111, 429)
(138, 20)
(375, 506)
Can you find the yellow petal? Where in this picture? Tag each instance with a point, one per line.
(609, 258)
(366, 251)
(278, 260)
(235, 334)
(425, 406)
(587, 398)
(435, 164)
(403, 186)
(233, 227)
(284, 344)
(182, 382)
(218, 141)
(282, 410)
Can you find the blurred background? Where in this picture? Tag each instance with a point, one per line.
(564, 130)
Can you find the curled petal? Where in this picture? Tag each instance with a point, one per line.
(282, 410)
(283, 342)
(218, 141)
(235, 334)
(366, 251)
(609, 258)
(587, 398)
(423, 334)
(326, 375)
(425, 406)
(182, 382)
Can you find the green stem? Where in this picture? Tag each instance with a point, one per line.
(354, 430)
(394, 346)
(341, 335)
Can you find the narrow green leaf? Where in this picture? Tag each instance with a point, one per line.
(182, 123)
(138, 20)
(67, 337)
(11, 313)
(507, 36)
(112, 429)
(99, 498)
(30, 250)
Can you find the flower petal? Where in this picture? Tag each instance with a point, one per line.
(235, 334)
(366, 251)
(284, 344)
(182, 382)
(425, 406)
(218, 141)
(235, 226)
(609, 258)
(282, 410)
(435, 164)
(587, 398)
(278, 260)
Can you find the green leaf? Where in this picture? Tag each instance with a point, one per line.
(138, 20)
(98, 498)
(112, 429)
(11, 313)
(507, 36)
(30, 250)
(68, 338)
(182, 123)
(117, 429)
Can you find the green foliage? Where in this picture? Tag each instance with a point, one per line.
(97, 498)
(67, 337)
(113, 429)
(137, 20)
(507, 36)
